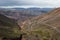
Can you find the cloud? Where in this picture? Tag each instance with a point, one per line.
(41, 3)
(18, 6)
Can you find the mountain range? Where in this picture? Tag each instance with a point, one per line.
(23, 13)
(45, 26)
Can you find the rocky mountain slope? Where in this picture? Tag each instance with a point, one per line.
(17, 15)
(44, 27)
(22, 13)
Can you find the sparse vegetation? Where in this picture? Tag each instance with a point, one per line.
(32, 29)
(8, 27)
(40, 31)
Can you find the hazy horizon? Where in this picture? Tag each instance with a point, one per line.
(24, 7)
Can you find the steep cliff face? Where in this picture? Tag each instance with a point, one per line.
(45, 27)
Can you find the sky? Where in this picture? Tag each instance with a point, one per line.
(29, 3)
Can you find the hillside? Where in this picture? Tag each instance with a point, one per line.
(17, 15)
(8, 27)
(44, 27)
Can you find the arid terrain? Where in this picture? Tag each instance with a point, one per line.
(44, 27)
(25, 26)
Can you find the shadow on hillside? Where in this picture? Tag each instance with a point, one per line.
(18, 38)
